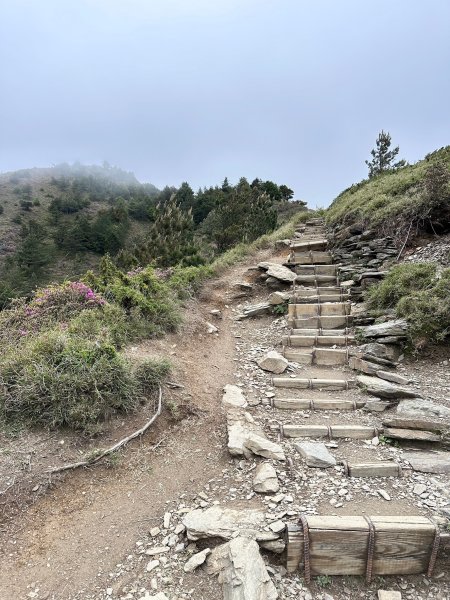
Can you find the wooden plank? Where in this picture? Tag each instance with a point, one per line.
(375, 469)
(358, 432)
(316, 404)
(300, 383)
(411, 434)
(338, 545)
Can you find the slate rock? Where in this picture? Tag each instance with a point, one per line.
(246, 438)
(196, 560)
(233, 396)
(316, 454)
(384, 389)
(265, 480)
(422, 408)
(273, 362)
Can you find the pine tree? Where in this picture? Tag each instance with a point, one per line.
(33, 254)
(382, 157)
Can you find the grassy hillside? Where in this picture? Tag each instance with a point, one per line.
(415, 196)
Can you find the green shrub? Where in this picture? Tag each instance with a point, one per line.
(401, 281)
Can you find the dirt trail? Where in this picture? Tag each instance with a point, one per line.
(84, 526)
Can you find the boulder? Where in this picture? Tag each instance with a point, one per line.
(278, 298)
(226, 523)
(384, 389)
(422, 408)
(196, 560)
(246, 438)
(316, 454)
(273, 362)
(233, 396)
(241, 571)
(265, 480)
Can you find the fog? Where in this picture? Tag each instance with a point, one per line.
(183, 90)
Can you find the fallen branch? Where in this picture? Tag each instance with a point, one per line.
(103, 453)
(404, 243)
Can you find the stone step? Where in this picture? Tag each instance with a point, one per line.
(316, 270)
(306, 246)
(326, 309)
(373, 469)
(320, 322)
(314, 383)
(316, 404)
(310, 258)
(324, 332)
(317, 356)
(356, 432)
(301, 341)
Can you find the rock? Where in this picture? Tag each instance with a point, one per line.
(157, 550)
(278, 298)
(419, 489)
(282, 244)
(233, 396)
(316, 454)
(196, 560)
(254, 310)
(392, 377)
(152, 565)
(429, 462)
(279, 272)
(377, 405)
(241, 571)
(225, 523)
(265, 480)
(422, 408)
(357, 364)
(246, 438)
(411, 434)
(273, 362)
(159, 596)
(243, 286)
(389, 595)
(277, 526)
(384, 389)
(211, 328)
(384, 494)
(398, 328)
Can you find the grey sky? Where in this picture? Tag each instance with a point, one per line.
(290, 90)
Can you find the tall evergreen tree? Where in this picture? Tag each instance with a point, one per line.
(33, 254)
(382, 157)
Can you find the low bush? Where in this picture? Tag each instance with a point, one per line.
(421, 295)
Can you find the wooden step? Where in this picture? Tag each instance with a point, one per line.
(338, 545)
(356, 432)
(316, 404)
(305, 292)
(301, 341)
(314, 383)
(310, 258)
(319, 298)
(326, 357)
(326, 309)
(320, 332)
(311, 245)
(316, 280)
(316, 322)
(316, 270)
(373, 469)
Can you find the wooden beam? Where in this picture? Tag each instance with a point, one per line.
(358, 432)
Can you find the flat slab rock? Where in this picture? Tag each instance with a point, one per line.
(233, 396)
(226, 523)
(429, 462)
(397, 327)
(422, 408)
(241, 571)
(385, 389)
(278, 271)
(273, 362)
(316, 454)
(246, 438)
(411, 434)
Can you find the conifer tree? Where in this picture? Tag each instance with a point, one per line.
(382, 157)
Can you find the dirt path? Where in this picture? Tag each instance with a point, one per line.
(74, 535)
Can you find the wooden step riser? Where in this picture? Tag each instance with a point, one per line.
(315, 404)
(307, 311)
(316, 270)
(313, 384)
(320, 332)
(355, 432)
(338, 545)
(310, 258)
(323, 322)
(318, 299)
(303, 341)
(376, 469)
(316, 280)
(320, 356)
(305, 292)
(307, 246)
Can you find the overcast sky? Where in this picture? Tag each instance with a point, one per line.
(294, 91)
